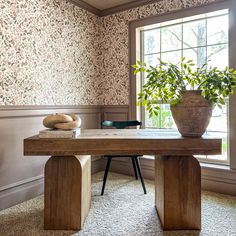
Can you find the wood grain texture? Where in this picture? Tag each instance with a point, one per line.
(123, 142)
(178, 176)
(178, 192)
(67, 192)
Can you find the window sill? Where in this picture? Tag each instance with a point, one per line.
(202, 164)
(147, 157)
(215, 166)
(214, 177)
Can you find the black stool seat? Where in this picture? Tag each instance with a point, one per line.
(135, 159)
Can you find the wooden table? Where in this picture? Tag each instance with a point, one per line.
(177, 173)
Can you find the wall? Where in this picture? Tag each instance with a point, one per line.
(213, 177)
(54, 53)
(21, 177)
(49, 54)
(115, 42)
(116, 83)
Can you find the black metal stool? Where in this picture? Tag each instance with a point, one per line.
(135, 159)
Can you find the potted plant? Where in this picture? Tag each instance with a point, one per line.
(192, 92)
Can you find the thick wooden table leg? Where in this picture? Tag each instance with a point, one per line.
(67, 192)
(178, 192)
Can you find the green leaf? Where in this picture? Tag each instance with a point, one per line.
(139, 63)
(166, 81)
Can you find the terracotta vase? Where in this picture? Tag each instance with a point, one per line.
(192, 115)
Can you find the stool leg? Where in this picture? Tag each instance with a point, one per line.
(140, 173)
(105, 174)
(134, 166)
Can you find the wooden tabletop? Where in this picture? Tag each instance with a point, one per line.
(125, 141)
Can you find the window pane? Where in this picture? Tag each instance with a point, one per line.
(152, 41)
(217, 30)
(194, 34)
(171, 38)
(217, 56)
(171, 57)
(152, 60)
(218, 128)
(198, 55)
(224, 148)
(218, 120)
(164, 119)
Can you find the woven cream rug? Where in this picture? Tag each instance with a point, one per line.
(123, 210)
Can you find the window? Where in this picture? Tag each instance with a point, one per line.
(202, 38)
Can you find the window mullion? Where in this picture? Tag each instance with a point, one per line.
(142, 109)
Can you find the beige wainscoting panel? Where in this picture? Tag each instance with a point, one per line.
(115, 113)
(21, 178)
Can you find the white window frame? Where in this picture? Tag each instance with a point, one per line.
(142, 115)
(133, 39)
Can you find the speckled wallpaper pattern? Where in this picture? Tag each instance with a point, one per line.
(54, 53)
(115, 75)
(49, 53)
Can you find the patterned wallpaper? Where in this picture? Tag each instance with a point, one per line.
(115, 76)
(48, 53)
(54, 53)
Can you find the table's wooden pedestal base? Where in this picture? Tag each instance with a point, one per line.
(178, 192)
(67, 192)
